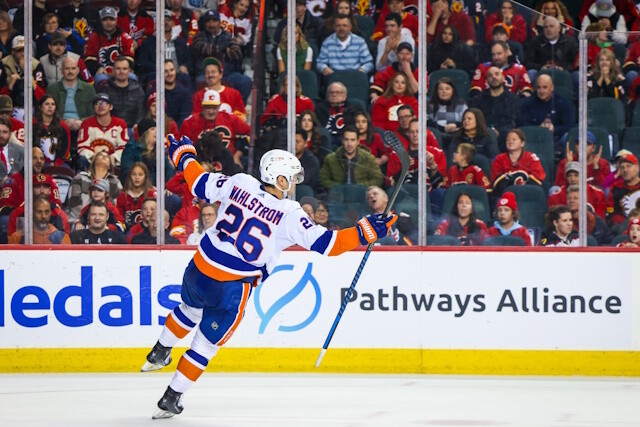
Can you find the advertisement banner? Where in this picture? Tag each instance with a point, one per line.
(442, 300)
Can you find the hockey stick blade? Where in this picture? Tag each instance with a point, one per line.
(396, 145)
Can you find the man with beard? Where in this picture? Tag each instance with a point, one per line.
(44, 233)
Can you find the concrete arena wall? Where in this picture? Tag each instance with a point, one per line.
(543, 312)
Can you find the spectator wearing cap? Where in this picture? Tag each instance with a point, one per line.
(625, 192)
(143, 149)
(230, 98)
(185, 21)
(233, 131)
(126, 94)
(78, 196)
(595, 196)
(604, 12)
(548, 109)
(344, 50)
(407, 20)
(276, 109)
(235, 17)
(308, 160)
(175, 50)
(99, 192)
(38, 13)
(404, 63)
(448, 52)
(11, 153)
(97, 231)
(105, 44)
(136, 22)
(52, 61)
(506, 223)
(597, 167)
(443, 15)
(73, 41)
(14, 75)
(17, 127)
(102, 132)
(44, 233)
(311, 25)
(596, 225)
(214, 41)
(395, 34)
(73, 96)
(43, 186)
(633, 231)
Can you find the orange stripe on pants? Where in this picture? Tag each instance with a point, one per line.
(213, 272)
(175, 329)
(246, 287)
(188, 369)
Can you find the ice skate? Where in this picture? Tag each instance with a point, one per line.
(169, 405)
(158, 358)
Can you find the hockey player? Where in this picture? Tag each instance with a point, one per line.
(256, 222)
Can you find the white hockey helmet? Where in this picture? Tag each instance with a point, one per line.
(275, 163)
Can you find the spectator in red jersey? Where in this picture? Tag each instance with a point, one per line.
(506, 223)
(408, 20)
(404, 64)
(102, 132)
(208, 217)
(17, 127)
(99, 191)
(516, 78)
(11, 153)
(276, 109)
(43, 186)
(186, 221)
(135, 22)
(443, 16)
(474, 131)
(230, 99)
(56, 51)
(506, 17)
(317, 142)
(516, 166)
(233, 131)
(371, 139)
(137, 187)
(97, 232)
(78, 196)
(463, 223)
(595, 196)
(464, 171)
(436, 161)
(597, 167)
(335, 111)
(633, 231)
(559, 232)
(44, 233)
(185, 21)
(384, 112)
(150, 236)
(51, 134)
(80, 16)
(236, 19)
(625, 192)
(147, 212)
(106, 44)
(304, 52)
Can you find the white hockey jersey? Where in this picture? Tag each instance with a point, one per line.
(252, 229)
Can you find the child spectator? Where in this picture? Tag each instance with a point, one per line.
(516, 166)
(137, 187)
(208, 217)
(633, 230)
(464, 171)
(99, 192)
(507, 215)
(559, 232)
(147, 212)
(463, 223)
(150, 236)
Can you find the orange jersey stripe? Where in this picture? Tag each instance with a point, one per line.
(214, 272)
(192, 172)
(188, 369)
(239, 316)
(346, 240)
(176, 329)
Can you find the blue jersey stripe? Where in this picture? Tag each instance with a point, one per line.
(322, 243)
(225, 259)
(199, 188)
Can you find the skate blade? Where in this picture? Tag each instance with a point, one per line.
(161, 414)
(148, 367)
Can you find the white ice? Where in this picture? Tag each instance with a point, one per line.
(321, 400)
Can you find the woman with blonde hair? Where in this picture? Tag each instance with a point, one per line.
(556, 9)
(605, 80)
(304, 52)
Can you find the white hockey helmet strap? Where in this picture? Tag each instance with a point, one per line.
(275, 163)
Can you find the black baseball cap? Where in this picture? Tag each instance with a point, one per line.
(101, 97)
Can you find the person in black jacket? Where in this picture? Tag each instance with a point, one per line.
(552, 49)
(149, 236)
(211, 149)
(126, 94)
(97, 232)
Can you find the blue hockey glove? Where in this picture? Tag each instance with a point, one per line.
(180, 151)
(373, 227)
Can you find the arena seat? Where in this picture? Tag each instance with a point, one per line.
(442, 241)
(503, 241)
(532, 204)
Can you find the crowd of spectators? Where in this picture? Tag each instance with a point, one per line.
(94, 121)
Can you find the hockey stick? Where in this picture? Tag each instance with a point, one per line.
(392, 141)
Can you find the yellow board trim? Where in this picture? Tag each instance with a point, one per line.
(407, 361)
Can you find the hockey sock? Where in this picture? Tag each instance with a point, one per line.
(179, 322)
(193, 362)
